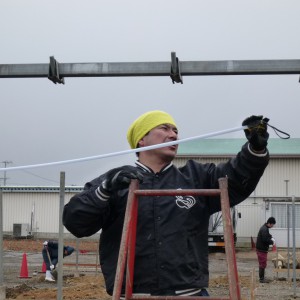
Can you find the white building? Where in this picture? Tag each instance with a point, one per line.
(33, 210)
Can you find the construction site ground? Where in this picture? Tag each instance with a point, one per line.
(86, 282)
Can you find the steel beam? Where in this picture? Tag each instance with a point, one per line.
(127, 69)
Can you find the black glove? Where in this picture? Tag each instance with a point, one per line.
(257, 133)
(119, 178)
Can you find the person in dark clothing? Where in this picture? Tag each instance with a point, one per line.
(264, 240)
(50, 257)
(171, 256)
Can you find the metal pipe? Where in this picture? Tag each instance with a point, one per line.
(1, 238)
(131, 245)
(288, 239)
(124, 243)
(143, 297)
(61, 238)
(2, 285)
(186, 192)
(77, 258)
(294, 244)
(131, 69)
(233, 280)
(288, 226)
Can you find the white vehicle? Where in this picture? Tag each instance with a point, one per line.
(215, 229)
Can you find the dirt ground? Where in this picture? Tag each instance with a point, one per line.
(86, 282)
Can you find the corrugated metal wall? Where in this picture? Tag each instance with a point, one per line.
(18, 209)
(272, 184)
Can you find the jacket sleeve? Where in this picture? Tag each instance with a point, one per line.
(243, 172)
(266, 237)
(86, 212)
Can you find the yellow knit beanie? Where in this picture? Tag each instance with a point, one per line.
(146, 122)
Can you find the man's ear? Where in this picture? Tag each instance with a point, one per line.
(141, 143)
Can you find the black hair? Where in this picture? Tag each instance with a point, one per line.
(271, 220)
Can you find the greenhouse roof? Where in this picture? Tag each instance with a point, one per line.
(221, 146)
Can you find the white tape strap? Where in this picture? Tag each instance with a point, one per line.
(72, 161)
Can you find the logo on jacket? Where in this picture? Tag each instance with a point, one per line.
(185, 201)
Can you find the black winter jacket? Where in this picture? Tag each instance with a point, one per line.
(52, 249)
(172, 232)
(263, 239)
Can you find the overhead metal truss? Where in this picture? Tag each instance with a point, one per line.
(176, 69)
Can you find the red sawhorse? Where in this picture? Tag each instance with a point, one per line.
(127, 246)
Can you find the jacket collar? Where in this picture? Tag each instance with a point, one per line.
(149, 170)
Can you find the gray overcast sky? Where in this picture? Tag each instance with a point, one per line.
(42, 122)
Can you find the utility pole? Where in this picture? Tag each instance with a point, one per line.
(5, 162)
(288, 224)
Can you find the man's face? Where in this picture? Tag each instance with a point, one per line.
(161, 134)
(270, 225)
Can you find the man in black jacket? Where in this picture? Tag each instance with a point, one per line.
(171, 255)
(264, 240)
(50, 257)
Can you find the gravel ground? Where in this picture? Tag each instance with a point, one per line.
(279, 288)
(86, 282)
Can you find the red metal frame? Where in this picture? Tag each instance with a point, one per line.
(127, 247)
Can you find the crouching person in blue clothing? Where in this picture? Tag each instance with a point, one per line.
(50, 257)
(171, 257)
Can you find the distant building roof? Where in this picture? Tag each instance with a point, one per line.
(39, 189)
(225, 147)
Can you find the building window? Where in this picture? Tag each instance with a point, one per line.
(282, 212)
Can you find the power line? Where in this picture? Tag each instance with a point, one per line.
(38, 176)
